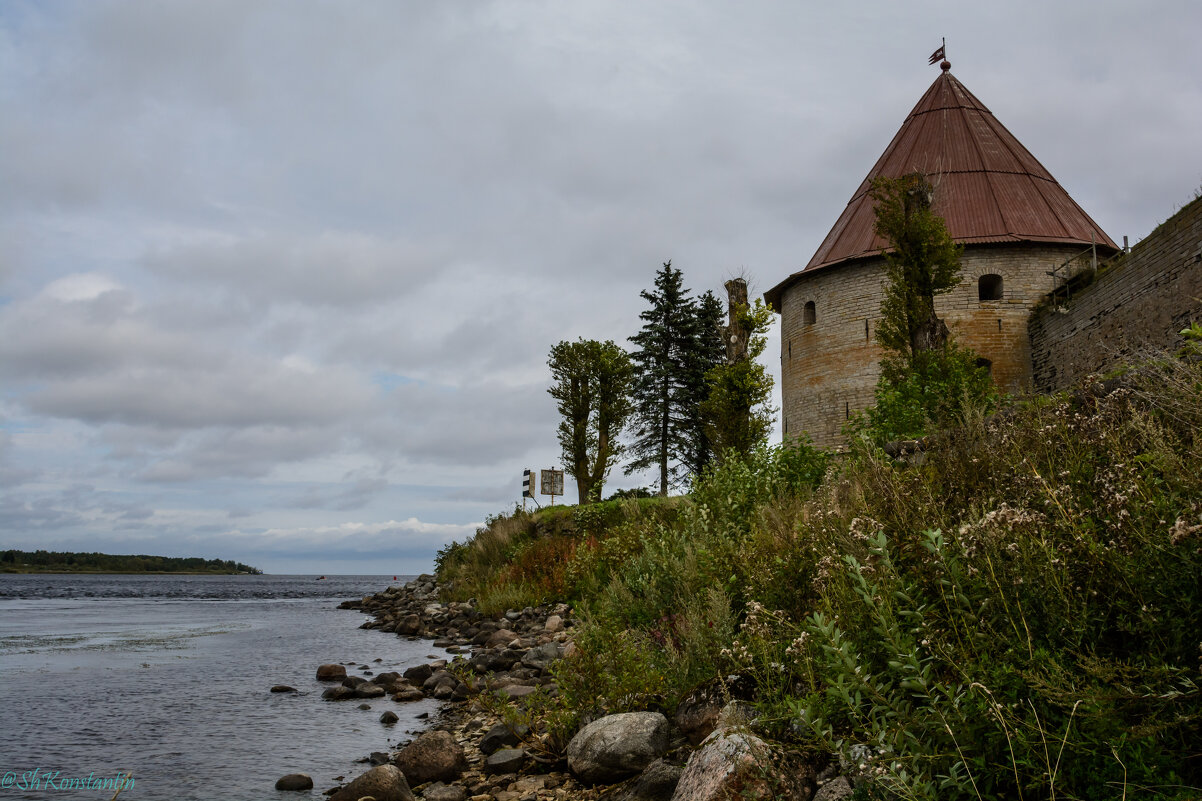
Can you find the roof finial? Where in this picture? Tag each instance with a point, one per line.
(941, 53)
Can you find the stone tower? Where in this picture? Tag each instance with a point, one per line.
(1021, 234)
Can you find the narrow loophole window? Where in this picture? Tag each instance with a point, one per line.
(989, 287)
(809, 315)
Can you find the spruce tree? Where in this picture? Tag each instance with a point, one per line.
(665, 405)
(707, 352)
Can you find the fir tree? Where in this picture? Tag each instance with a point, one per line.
(707, 352)
(665, 397)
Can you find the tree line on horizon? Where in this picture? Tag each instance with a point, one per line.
(42, 561)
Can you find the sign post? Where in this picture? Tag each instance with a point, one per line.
(527, 487)
(551, 482)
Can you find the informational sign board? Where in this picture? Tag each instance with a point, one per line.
(551, 482)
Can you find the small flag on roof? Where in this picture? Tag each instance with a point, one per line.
(939, 54)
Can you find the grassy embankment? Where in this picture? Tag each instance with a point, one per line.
(1017, 616)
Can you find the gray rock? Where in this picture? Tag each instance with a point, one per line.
(500, 638)
(434, 756)
(617, 746)
(738, 764)
(418, 673)
(331, 673)
(338, 693)
(283, 688)
(408, 694)
(517, 691)
(507, 760)
(387, 679)
(369, 690)
(542, 656)
(656, 783)
(409, 624)
(697, 713)
(389, 718)
(834, 790)
(444, 792)
(383, 783)
(295, 781)
(502, 735)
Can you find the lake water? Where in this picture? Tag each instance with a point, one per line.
(169, 677)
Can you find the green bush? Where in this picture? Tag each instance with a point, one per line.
(917, 395)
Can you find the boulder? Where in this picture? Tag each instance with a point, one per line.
(338, 693)
(444, 792)
(389, 718)
(737, 764)
(387, 679)
(331, 673)
(434, 756)
(283, 688)
(418, 673)
(297, 782)
(409, 625)
(369, 690)
(500, 638)
(516, 692)
(408, 694)
(383, 783)
(697, 713)
(615, 747)
(502, 735)
(834, 790)
(656, 783)
(554, 624)
(507, 760)
(542, 656)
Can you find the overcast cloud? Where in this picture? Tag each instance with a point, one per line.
(278, 279)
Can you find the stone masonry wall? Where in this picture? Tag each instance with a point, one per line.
(829, 368)
(1142, 300)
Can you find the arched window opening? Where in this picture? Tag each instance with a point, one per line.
(988, 365)
(989, 287)
(809, 314)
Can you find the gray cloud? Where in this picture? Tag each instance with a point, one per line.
(288, 265)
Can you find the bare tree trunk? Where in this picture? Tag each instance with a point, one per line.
(736, 333)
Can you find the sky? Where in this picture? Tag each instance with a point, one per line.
(278, 280)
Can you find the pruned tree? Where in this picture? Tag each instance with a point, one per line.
(592, 393)
(737, 411)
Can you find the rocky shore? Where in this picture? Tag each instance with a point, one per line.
(474, 751)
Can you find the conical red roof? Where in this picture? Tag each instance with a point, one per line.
(989, 188)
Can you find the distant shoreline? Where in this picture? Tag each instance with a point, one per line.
(57, 571)
(41, 561)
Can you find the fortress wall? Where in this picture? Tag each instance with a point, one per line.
(829, 368)
(1143, 300)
